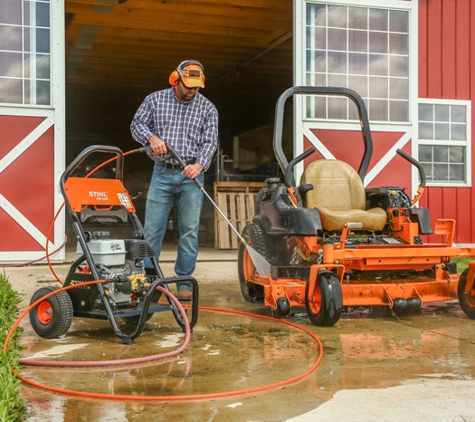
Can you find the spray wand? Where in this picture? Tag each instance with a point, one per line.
(262, 265)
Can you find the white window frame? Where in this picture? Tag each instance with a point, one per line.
(465, 143)
(302, 124)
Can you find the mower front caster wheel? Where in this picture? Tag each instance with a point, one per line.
(52, 317)
(283, 307)
(324, 306)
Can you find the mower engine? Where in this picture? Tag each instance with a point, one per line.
(122, 260)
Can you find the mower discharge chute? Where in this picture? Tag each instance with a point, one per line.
(332, 243)
(129, 288)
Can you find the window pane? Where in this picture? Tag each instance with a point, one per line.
(358, 41)
(378, 42)
(319, 39)
(426, 131)
(441, 131)
(441, 113)
(378, 87)
(43, 67)
(398, 88)
(399, 66)
(398, 21)
(42, 14)
(458, 132)
(426, 112)
(428, 171)
(337, 63)
(378, 19)
(10, 91)
(441, 154)
(458, 113)
(457, 154)
(378, 109)
(43, 93)
(42, 40)
(337, 39)
(378, 65)
(457, 172)
(11, 65)
(10, 12)
(337, 80)
(337, 17)
(337, 108)
(398, 44)
(441, 172)
(10, 38)
(361, 84)
(357, 18)
(399, 111)
(358, 64)
(425, 153)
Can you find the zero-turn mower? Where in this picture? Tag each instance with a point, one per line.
(129, 286)
(332, 243)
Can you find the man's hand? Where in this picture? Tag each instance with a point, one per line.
(157, 145)
(193, 170)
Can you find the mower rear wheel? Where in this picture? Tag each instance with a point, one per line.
(325, 305)
(52, 317)
(467, 302)
(254, 236)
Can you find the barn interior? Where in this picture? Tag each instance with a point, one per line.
(119, 51)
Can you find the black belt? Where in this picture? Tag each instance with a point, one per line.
(173, 166)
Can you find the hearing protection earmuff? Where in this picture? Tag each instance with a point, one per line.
(177, 74)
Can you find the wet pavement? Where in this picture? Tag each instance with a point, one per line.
(236, 367)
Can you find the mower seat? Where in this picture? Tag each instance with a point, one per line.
(339, 195)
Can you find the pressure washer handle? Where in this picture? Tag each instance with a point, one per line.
(148, 150)
(182, 163)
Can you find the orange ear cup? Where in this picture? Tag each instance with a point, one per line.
(174, 78)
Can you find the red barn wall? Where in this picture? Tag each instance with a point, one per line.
(446, 70)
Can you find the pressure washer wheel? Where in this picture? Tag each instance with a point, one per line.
(467, 302)
(52, 317)
(325, 306)
(254, 237)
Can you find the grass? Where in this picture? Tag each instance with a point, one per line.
(462, 263)
(13, 407)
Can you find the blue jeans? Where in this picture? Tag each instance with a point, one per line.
(169, 187)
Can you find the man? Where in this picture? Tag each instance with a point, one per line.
(183, 118)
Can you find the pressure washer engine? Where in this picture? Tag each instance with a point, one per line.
(120, 260)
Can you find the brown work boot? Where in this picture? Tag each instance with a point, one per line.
(184, 295)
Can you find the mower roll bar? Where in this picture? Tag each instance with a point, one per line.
(314, 90)
(90, 150)
(414, 162)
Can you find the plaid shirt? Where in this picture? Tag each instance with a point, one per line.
(191, 128)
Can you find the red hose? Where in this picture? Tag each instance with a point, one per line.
(192, 397)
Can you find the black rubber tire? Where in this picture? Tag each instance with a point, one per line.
(283, 307)
(325, 307)
(52, 317)
(254, 236)
(467, 307)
